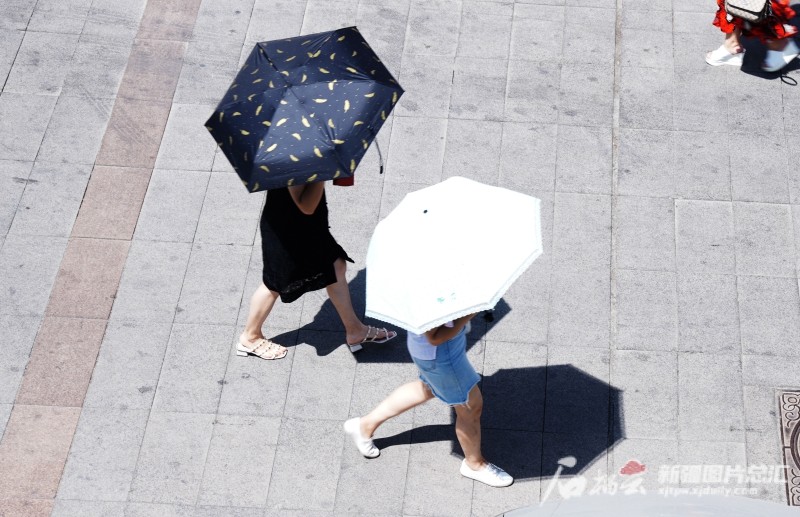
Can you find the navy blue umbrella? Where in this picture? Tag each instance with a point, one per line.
(304, 109)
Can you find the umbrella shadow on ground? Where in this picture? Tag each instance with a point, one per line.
(535, 419)
(326, 333)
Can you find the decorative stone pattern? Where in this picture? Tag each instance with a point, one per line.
(789, 402)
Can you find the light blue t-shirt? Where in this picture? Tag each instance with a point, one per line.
(419, 346)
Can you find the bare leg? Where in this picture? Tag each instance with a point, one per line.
(339, 293)
(468, 429)
(732, 41)
(261, 304)
(399, 401)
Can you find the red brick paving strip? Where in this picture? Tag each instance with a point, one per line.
(39, 432)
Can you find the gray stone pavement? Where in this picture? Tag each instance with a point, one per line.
(657, 326)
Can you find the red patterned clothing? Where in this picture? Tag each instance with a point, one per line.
(775, 27)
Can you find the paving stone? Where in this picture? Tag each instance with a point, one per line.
(764, 240)
(23, 121)
(418, 147)
(646, 311)
(103, 455)
(579, 308)
(754, 109)
(61, 362)
(700, 105)
(760, 179)
(321, 15)
(699, 455)
(51, 199)
(769, 312)
(212, 289)
(67, 508)
(537, 32)
(208, 70)
(39, 67)
(111, 203)
(710, 394)
(479, 88)
(168, 20)
(485, 30)
(578, 392)
(159, 510)
(187, 145)
(35, 262)
(151, 283)
(26, 507)
(97, 66)
(153, 70)
(707, 313)
(761, 408)
(433, 483)
(646, 98)
(528, 157)
(321, 385)
(589, 35)
(763, 450)
(134, 133)
(583, 163)
(5, 412)
(645, 162)
(463, 158)
(172, 457)
(239, 463)
(193, 371)
(174, 196)
(230, 213)
(375, 486)
(59, 17)
(75, 130)
(272, 19)
(110, 19)
(641, 44)
(33, 451)
(649, 399)
(128, 365)
(796, 224)
(222, 22)
(19, 333)
(532, 92)
(645, 233)
(427, 81)
(701, 169)
(432, 30)
(384, 26)
(587, 95)
(13, 179)
(10, 41)
(769, 371)
(695, 39)
(303, 477)
(88, 279)
(582, 222)
(257, 387)
(513, 387)
(15, 14)
(704, 238)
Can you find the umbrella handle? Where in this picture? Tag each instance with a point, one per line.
(378, 147)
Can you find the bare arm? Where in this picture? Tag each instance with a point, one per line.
(442, 334)
(307, 196)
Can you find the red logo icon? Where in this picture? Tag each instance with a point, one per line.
(631, 468)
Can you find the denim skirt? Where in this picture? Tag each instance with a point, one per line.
(450, 376)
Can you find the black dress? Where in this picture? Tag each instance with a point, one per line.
(298, 249)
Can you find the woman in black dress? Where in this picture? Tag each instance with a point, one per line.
(300, 255)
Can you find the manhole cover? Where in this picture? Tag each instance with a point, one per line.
(790, 434)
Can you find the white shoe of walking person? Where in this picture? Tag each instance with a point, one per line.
(779, 59)
(365, 445)
(723, 56)
(490, 474)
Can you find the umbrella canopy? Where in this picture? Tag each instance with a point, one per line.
(424, 267)
(304, 109)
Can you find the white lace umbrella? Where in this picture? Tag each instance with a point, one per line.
(449, 250)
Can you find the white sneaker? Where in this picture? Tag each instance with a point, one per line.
(491, 475)
(722, 56)
(364, 445)
(778, 59)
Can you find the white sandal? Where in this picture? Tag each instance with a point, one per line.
(723, 56)
(779, 59)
